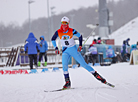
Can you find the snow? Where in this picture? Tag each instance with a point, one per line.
(30, 87)
(129, 30)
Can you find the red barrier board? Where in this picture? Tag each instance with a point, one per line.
(20, 71)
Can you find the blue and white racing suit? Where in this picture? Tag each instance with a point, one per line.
(69, 49)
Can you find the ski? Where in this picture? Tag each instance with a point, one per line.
(59, 90)
(110, 84)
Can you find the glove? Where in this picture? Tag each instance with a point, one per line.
(79, 48)
(56, 50)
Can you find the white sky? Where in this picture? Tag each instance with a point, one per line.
(17, 10)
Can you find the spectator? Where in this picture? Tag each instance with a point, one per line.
(111, 54)
(32, 46)
(133, 47)
(43, 50)
(137, 45)
(99, 40)
(127, 42)
(93, 42)
(124, 51)
(103, 41)
(93, 54)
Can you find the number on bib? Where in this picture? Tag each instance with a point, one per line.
(66, 43)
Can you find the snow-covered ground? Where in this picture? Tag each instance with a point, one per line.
(30, 87)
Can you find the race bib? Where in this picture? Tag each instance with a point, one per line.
(66, 41)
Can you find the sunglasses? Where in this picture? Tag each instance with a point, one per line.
(64, 23)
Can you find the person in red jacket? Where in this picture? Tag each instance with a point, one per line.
(93, 42)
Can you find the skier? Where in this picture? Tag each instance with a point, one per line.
(32, 46)
(43, 49)
(66, 34)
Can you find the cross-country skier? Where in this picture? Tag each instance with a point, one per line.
(66, 34)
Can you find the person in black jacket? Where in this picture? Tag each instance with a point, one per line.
(124, 51)
(127, 42)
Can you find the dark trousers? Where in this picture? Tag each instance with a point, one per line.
(125, 57)
(94, 58)
(114, 59)
(43, 54)
(91, 58)
(33, 57)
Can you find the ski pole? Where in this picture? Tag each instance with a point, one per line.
(90, 34)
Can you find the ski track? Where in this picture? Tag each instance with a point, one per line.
(72, 95)
(99, 95)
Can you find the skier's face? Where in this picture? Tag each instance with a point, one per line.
(64, 25)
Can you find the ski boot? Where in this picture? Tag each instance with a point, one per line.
(39, 64)
(45, 64)
(98, 77)
(67, 84)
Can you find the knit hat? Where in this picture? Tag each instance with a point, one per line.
(66, 19)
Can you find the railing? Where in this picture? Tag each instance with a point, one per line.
(8, 56)
(51, 57)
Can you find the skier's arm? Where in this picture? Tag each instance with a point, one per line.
(75, 33)
(54, 39)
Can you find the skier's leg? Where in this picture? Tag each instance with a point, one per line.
(65, 59)
(78, 57)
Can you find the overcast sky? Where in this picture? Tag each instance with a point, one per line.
(17, 10)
